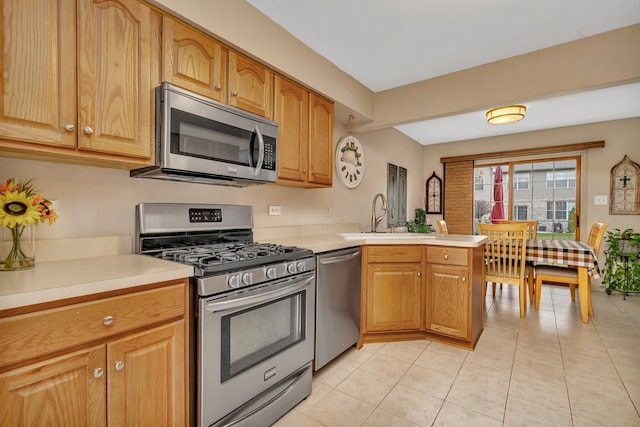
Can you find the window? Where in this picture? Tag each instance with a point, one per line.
(521, 181)
(559, 210)
(520, 212)
(479, 183)
(561, 179)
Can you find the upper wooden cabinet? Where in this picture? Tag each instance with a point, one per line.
(250, 85)
(292, 115)
(193, 60)
(199, 63)
(305, 136)
(73, 88)
(321, 141)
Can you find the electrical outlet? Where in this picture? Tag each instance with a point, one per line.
(275, 210)
(329, 212)
(55, 206)
(600, 200)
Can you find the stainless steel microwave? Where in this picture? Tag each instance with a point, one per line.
(201, 140)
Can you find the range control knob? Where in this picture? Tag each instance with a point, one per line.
(247, 278)
(271, 273)
(291, 268)
(301, 266)
(234, 281)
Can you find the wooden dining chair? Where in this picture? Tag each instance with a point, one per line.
(442, 226)
(532, 233)
(568, 275)
(504, 257)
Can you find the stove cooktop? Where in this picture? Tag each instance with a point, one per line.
(224, 257)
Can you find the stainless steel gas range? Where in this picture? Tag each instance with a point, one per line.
(254, 309)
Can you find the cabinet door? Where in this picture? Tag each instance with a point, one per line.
(193, 60)
(38, 71)
(447, 300)
(321, 141)
(250, 85)
(147, 378)
(64, 391)
(393, 300)
(115, 83)
(292, 115)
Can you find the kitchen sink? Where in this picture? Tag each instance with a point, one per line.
(369, 235)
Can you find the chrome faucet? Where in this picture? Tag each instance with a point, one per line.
(375, 220)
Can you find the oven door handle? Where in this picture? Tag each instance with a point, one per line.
(251, 300)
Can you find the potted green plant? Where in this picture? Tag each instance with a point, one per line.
(419, 224)
(622, 263)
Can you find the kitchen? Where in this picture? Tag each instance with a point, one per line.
(98, 202)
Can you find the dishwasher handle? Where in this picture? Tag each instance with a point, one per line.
(340, 258)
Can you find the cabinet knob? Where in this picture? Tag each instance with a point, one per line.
(119, 365)
(234, 93)
(88, 130)
(304, 170)
(446, 256)
(107, 320)
(217, 87)
(464, 279)
(69, 127)
(98, 372)
(313, 172)
(419, 273)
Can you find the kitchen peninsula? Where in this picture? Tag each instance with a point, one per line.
(413, 286)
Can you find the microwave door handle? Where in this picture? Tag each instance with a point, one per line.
(261, 150)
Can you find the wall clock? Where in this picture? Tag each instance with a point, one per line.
(350, 161)
(624, 193)
(434, 195)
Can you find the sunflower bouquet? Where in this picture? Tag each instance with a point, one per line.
(20, 208)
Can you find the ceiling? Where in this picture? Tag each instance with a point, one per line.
(376, 42)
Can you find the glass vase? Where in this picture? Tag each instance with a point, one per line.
(17, 247)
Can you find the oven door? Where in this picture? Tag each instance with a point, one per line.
(252, 342)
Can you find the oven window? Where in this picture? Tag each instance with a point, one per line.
(258, 333)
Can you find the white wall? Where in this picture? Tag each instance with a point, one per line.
(100, 202)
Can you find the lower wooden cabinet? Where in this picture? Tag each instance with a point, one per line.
(447, 300)
(400, 302)
(69, 390)
(133, 376)
(393, 297)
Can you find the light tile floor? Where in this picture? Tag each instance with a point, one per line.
(548, 369)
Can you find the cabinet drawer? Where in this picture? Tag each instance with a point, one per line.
(394, 253)
(447, 256)
(31, 335)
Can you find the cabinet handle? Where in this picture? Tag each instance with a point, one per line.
(108, 320)
(119, 365)
(234, 93)
(464, 279)
(88, 130)
(69, 127)
(98, 372)
(446, 256)
(217, 87)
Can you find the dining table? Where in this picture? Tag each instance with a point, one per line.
(571, 253)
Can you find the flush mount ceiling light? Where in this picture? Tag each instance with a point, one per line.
(504, 115)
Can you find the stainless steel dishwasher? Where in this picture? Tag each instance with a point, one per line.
(337, 303)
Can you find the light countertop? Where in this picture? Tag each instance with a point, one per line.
(61, 279)
(65, 271)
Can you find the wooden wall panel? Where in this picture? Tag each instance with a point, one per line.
(458, 197)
